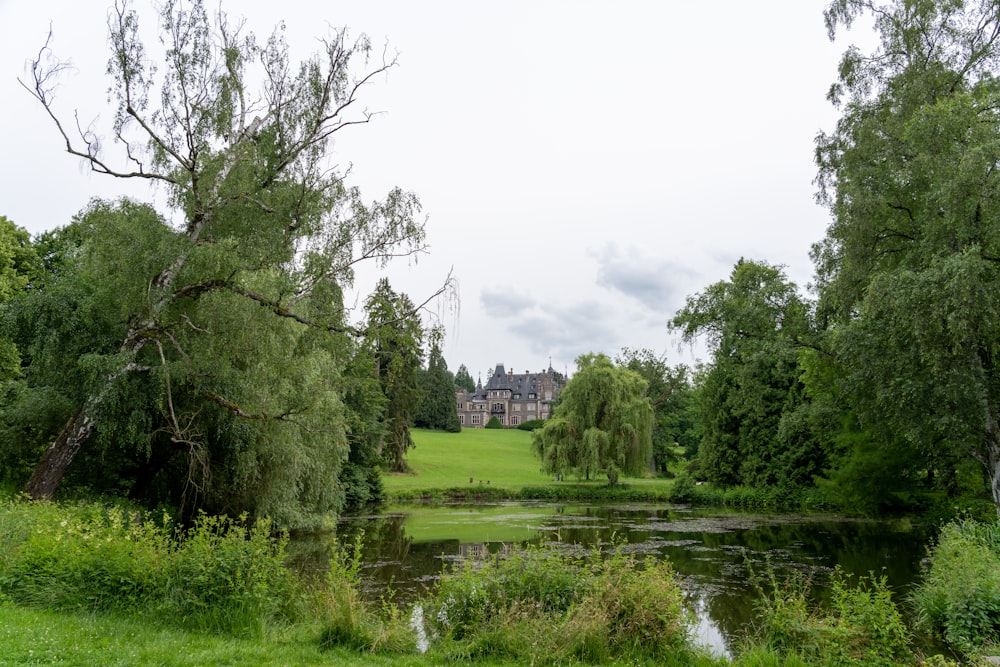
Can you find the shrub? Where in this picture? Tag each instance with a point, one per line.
(226, 576)
(531, 424)
(219, 576)
(494, 422)
(541, 605)
(633, 608)
(959, 598)
(861, 627)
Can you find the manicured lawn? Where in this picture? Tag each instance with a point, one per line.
(500, 458)
(497, 461)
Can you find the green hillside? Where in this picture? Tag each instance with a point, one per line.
(494, 457)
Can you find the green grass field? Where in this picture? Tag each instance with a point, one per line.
(499, 463)
(440, 460)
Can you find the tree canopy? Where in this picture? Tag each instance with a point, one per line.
(602, 425)
(437, 409)
(216, 370)
(909, 271)
(752, 322)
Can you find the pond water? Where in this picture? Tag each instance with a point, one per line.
(406, 548)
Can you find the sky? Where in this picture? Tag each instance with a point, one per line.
(583, 166)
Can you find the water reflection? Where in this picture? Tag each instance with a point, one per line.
(406, 549)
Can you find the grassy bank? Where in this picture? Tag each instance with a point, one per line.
(87, 584)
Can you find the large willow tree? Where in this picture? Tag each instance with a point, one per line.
(227, 307)
(910, 267)
(603, 424)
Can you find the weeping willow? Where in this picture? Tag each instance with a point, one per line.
(603, 424)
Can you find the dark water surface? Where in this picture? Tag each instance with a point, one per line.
(405, 548)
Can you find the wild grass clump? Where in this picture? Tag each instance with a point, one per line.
(348, 621)
(218, 575)
(542, 605)
(959, 597)
(861, 626)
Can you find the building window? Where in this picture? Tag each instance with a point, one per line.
(517, 407)
(475, 419)
(514, 421)
(498, 407)
(532, 395)
(461, 420)
(461, 406)
(531, 407)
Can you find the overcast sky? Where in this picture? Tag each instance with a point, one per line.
(584, 166)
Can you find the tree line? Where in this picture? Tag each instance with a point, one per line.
(880, 388)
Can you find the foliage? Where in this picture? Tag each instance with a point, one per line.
(494, 423)
(20, 268)
(959, 598)
(437, 408)
(219, 575)
(531, 424)
(908, 271)
(861, 626)
(213, 378)
(748, 398)
(670, 393)
(542, 605)
(603, 423)
(463, 380)
(348, 621)
(364, 409)
(395, 333)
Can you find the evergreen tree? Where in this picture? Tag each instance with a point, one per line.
(395, 332)
(463, 380)
(753, 322)
(437, 409)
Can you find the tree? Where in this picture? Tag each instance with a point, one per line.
(603, 425)
(395, 332)
(231, 320)
(19, 267)
(669, 392)
(753, 323)
(909, 271)
(437, 409)
(463, 380)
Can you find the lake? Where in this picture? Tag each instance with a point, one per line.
(405, 548)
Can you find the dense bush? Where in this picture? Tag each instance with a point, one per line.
(543, 605)
(959, 598)
(531, 424)
(494, 422)
(861, 626)
(219, 575)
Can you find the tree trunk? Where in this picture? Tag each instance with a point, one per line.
(57, 457)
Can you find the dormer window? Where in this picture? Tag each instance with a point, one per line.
(532, 395)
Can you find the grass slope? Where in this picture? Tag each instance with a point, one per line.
(500, 464)
(440, 460)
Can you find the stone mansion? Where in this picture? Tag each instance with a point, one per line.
(512, 398)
